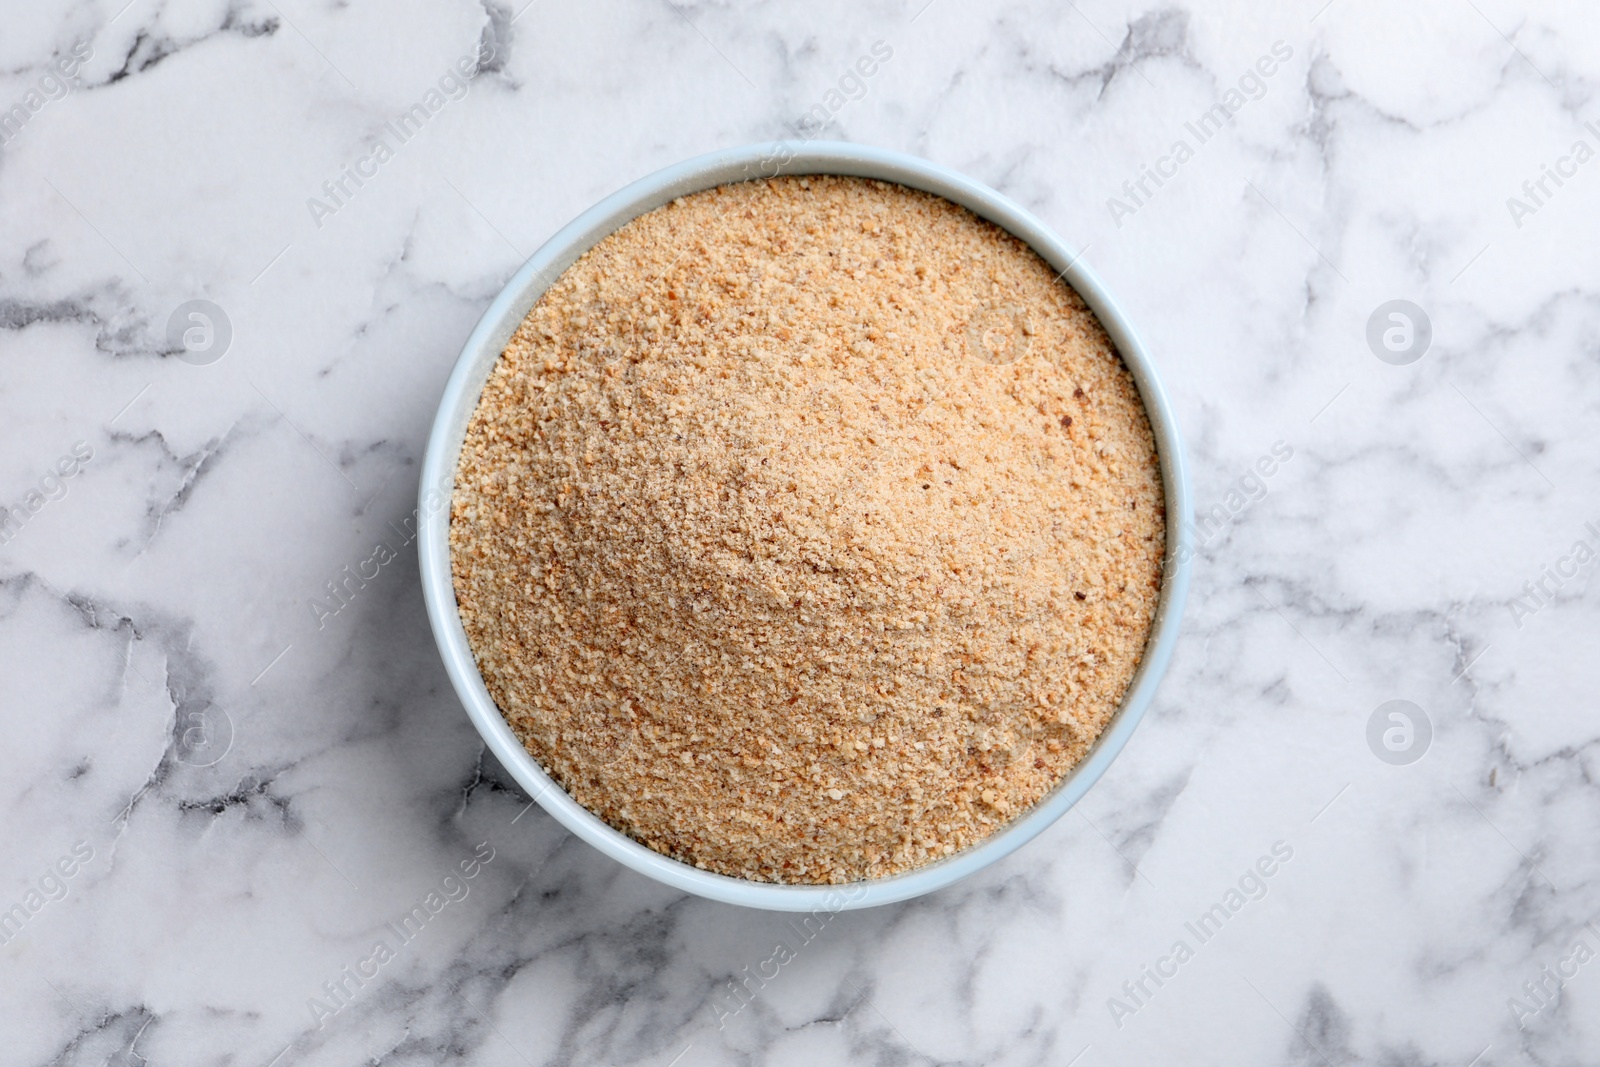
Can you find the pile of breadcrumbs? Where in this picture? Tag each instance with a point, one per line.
(808, 530)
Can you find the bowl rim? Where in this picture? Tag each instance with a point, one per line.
(482, 350)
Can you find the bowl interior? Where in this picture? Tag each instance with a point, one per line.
(489, 338)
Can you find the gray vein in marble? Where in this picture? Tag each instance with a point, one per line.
(353, 745)
(150, 47)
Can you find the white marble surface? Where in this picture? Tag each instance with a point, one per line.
(166, 587)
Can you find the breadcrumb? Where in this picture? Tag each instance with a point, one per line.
(808, 530)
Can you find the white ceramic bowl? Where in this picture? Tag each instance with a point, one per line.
(489, 338)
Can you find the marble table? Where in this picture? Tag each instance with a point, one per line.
(1358, 239)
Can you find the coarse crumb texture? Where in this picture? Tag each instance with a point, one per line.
(808, 530)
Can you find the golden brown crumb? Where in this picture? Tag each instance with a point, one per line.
(808, 530)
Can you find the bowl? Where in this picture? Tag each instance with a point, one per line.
(488, 340)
